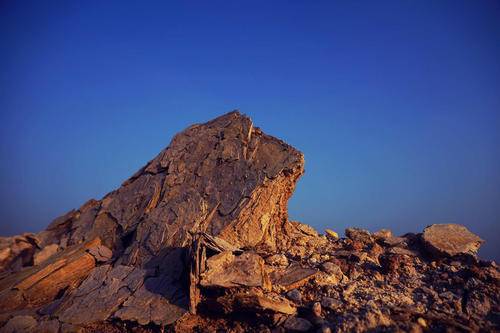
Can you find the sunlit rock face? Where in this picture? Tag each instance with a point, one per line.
(224, 177)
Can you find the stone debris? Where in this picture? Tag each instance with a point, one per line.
(198, 240)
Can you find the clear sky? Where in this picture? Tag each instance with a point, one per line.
(395, 104)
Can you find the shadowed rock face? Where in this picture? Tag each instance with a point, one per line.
(225, 177)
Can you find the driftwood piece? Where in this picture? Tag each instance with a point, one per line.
(40, 285)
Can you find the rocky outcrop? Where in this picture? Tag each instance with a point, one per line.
(224, 178)
(198, 240)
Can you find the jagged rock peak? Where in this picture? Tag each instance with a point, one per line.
(224, 178)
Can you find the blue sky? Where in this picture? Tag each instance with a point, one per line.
(395, 104)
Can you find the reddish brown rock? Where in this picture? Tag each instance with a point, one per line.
(450, 239)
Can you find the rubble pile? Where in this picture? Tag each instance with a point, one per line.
(199, 240)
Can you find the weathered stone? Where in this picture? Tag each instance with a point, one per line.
(359, 235)
(258, 302)
(45, 254)
(227, 271)
(331, 234)
(70, 328)
(450, 240)
(101, 253)
(40, 285)
(17, 252)
(295, 295)
(146, 307)
(295, 324)
(100, 294)
(47, 326)
(331, 303)
(224, 178)
(277, 260)
(382, 234)
(19, 324)
(331, 268)
(316, 309)
(292, 277)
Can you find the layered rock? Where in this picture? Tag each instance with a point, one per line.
(451, 240)
(225, 178)
(198, 240)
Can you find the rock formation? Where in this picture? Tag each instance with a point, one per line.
(199, 240)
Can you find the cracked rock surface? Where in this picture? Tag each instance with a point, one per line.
(198, 240)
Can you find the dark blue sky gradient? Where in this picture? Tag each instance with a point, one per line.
(395, 104)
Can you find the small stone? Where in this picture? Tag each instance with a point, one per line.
(330, 268)
(331, 303)
(294, 295)
(421, 321)
(331, 234)
(297, 324)
(358, 235)
(277, 260)
(316, 309)
(382, 233)
(313, 261)
(349, 289)
(325, 279)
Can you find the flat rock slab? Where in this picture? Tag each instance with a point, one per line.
(450, 240)
(257, 302)
(227, 271)
(292, 277)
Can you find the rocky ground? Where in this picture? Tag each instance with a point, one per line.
(362, 283)
(198, 240)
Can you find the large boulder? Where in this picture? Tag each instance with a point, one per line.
(450, 240)
(224, 178)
